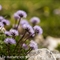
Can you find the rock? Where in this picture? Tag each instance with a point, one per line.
(1, 58)
(51, 43)
(41, 54)
(56, 54)
(39, 39)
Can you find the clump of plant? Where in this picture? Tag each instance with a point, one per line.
(19, 40)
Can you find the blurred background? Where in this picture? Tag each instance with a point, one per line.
(47, 10)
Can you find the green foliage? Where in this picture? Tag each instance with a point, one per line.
(58, 47)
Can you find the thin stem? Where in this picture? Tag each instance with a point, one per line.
(19, 41)
(26, 38)
(29, 51)
(15, 22)
(22, 43)
(33, 25)
(8, 46)
(19, 22)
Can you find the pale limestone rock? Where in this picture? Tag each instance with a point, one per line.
(39, 39)
(41, 54)
(51, 43)
(1, 58)
(56, 53)
(57, 56)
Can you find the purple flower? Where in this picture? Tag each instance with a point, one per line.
(38, 29)
(14, 32)
(22, 13)
(16, 16)
(29, 29)
(25, 46)
(26, 26)
(10, 41)
(0, 7)
(7, 33)
(35, 20)
(31, 32)
(1, 24)
(1, 18)
(33, 44)
(5, 22)
(23, 22)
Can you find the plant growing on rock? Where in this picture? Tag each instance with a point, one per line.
(19, 40)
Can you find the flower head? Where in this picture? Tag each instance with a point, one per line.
(29, 29)
(5, 22)
(1, 18)
(25, 46)
(23, 22)
(35, 20)
(22, 13)
(7, 33)
(10, 41)
(16, 16)
(1, 24)
(33, 44)
(14, 32)
(31, 32)
(26, 26)
(38, 29)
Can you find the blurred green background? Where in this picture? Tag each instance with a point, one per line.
(47, 10)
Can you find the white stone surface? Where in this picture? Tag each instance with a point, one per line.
(51, 42)
(41, 54)
(1, 58)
